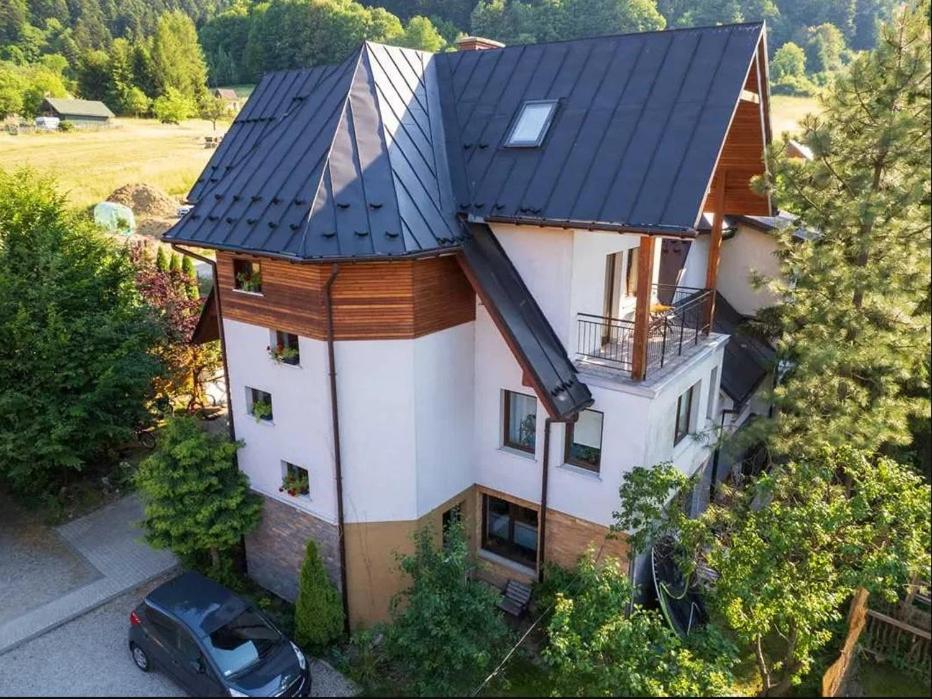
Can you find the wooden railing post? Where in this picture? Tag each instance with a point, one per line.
(715, 246)
(642, 309)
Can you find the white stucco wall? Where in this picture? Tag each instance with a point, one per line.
(300, 430)
(748, 251)
(406, 411)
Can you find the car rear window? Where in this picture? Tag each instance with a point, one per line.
(241, 643)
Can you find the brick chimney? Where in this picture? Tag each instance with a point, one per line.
(477, 43)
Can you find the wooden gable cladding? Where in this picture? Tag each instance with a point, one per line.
(742, 156)
(372, 300)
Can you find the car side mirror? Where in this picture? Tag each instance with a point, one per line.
(197, 664)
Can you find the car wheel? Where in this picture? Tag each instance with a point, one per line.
(139, 657)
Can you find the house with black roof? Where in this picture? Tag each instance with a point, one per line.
(447, 287)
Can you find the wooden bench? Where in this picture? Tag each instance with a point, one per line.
(515, 598)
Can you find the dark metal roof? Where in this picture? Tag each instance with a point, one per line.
(635, 139)
(334, 162)
(524, 325)
(748, 359)
(377, 156)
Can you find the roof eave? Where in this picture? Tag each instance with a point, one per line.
(640, 229)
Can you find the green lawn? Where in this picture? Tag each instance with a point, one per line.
(884, 680)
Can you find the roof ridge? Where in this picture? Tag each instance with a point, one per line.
(325, 168)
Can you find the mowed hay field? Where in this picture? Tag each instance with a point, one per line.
(787, 111)
(90, 164)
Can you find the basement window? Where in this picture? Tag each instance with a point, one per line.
(532, 123)
(247, 276)
(295, 480)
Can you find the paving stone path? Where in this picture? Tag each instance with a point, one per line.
(110, 541)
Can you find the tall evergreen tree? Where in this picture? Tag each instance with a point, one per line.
(177, 58)
(854, 327)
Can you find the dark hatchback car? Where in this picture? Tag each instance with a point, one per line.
(213, 643)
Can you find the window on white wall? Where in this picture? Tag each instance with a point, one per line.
(295, 480)
(284, 348)
(584, 441)
(685, 406)
(713, 393)
(520, 421)
(259, 404)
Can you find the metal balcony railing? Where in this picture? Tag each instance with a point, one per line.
(678, 321)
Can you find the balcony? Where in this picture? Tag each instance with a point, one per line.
(677, 322)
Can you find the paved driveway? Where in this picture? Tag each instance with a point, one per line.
(88, 657)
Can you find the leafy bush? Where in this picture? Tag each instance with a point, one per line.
(595, 649)
(447, 632)
(196, 501)
(66, 126)
(318, 613)
(173, 107)
(76, 368)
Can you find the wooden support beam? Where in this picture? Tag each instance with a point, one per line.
(715, 246)
(642, 309)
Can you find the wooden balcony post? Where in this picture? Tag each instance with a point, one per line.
(715, 246)
(642, 309)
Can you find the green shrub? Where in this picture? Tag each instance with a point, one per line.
(447, 633)
(318, 613)
(66, 126)
(197, 503)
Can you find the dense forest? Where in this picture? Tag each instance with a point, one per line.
(158, 56)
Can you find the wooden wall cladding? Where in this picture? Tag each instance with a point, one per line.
(372, 300)
(742, 156)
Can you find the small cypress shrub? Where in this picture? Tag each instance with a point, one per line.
(161, 260)
(318, 613)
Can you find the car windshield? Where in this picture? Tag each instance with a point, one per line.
(241, 643)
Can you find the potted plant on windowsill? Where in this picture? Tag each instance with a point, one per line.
(283, 355)
(249, 282)
(262, 410)
(294, 485)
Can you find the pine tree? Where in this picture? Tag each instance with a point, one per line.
(196, 501)
(175, 263)
(318, 612)
(854, 327)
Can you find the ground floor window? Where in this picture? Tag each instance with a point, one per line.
(509, 530)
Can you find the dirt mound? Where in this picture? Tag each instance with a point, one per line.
(145, 201)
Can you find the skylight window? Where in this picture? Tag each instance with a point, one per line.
(532, 123)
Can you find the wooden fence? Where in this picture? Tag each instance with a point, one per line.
(883, 636)
(833, 680)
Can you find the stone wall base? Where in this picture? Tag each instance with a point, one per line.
(275, 550)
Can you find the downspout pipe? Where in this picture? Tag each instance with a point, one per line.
(544, 483)
(713, 481)
(223, 342)
(335, 419)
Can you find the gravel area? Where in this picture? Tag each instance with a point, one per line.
(89, 657)
(36, 565)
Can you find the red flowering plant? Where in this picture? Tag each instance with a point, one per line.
(172, 294)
